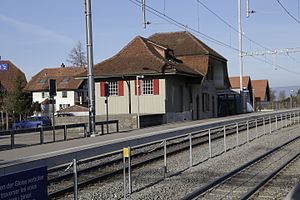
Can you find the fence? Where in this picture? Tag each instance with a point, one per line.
(249, 128)
(41, 131)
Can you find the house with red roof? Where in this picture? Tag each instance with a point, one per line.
(70, 91)
(247, 90)
(9, 72)
(261, 92)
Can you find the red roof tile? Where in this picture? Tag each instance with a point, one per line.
(64, 77)
(184, 44)
(141, 56)
(8, 77)
(261, 89)
(74, 108)
(235, 82)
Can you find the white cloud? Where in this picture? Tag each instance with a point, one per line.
(36, 30)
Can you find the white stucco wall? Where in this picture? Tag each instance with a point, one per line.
(149, 104)
(37, 97)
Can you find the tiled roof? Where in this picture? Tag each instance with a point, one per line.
(184, 44)
(141, 56)
(188, 48)
(261, 89)
(235, 82)
(64, 77)
(75, 108)
(8, 77)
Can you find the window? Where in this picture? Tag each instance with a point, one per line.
(147, 87)
(42, 81)
(45, 94)
(64, 94)
(65, 80)
(113, 88)
(205, 102)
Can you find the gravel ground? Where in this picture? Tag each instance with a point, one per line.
(148, 181)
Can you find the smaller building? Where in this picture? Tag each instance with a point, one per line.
(75, 110)
(247, 96)
(261, 93)
(70, 91)
(9, 73)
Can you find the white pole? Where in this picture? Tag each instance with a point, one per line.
(209, 143)
(240, 52)
(225, 146)
(144, 13)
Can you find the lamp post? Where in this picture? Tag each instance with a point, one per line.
(138, 98)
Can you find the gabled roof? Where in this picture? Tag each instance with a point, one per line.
(141, 56)
(9, 74)
(74, 108)
(261, 89)
(64, 77)
(235, 82)
(184, 44)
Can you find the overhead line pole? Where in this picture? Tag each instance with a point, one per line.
(240, 52)
(91, 84)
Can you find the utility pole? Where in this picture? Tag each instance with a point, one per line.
(144, 13)
(91, 84)
(241, 53)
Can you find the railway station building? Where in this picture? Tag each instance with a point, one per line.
(170, 76)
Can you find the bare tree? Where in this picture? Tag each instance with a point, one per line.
(77, 56)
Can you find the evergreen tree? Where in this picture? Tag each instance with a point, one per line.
(21, 99)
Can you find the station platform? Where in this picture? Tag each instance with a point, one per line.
(30, 153)
(53, 154)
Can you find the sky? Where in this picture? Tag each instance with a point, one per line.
(36, 34)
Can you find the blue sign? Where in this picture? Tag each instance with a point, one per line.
(3, 67)
(29, 184)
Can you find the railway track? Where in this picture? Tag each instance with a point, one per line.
(282, 182)
(249, 179)
(103, 167)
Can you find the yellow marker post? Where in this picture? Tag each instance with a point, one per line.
(126, 152)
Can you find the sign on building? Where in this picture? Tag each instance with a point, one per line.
(29, 184)
(3, 67)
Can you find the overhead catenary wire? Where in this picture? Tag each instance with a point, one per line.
(244, 35)
(287, 12)
(203, 35)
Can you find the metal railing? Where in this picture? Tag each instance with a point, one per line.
(41, 131)
(267, 124)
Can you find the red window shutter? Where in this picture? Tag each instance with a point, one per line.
(121, 88)
(156, 86)
(135, 85)
(102, 89)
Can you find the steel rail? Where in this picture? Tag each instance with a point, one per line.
(198, 140)
(269, 177)
(219, 180)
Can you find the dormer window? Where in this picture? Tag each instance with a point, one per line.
(42, 81)
(65, 80)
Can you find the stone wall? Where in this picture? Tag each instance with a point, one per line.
(126, 121)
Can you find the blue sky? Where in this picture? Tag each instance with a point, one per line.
(37, 34)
